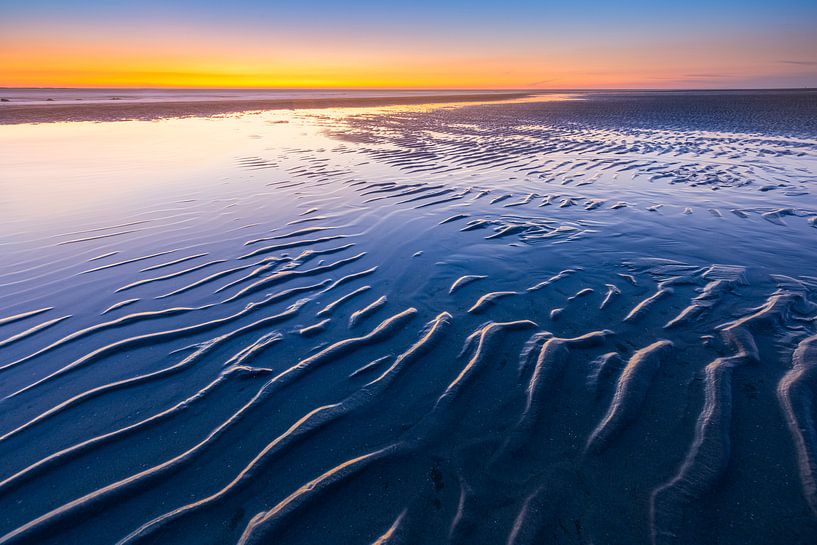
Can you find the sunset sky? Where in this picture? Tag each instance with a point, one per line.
(409, 44)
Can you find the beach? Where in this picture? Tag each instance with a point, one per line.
(460, 317)
(63, 105)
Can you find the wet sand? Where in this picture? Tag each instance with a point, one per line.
(168, 107)
(580, 321)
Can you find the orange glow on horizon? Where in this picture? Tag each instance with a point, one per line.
(456, 75)
(164, 59)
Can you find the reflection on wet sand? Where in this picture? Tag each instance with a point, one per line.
(574, 321)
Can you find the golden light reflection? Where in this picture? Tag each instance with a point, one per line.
(61, 170)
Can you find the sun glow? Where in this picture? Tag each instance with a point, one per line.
(328, 47)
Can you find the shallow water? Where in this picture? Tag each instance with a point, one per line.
(578, 321)
(71, 96)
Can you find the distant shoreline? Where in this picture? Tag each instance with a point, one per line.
(117, 105)
(13, 114)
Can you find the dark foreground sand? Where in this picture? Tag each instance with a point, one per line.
(575, 322)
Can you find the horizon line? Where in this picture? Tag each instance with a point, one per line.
(434, 89)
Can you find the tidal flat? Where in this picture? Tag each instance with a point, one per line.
(570, 318)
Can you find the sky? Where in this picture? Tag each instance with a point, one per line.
(478, 44)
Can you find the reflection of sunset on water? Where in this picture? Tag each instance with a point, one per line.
(413, 272)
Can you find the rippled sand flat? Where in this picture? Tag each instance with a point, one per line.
(589, 320)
